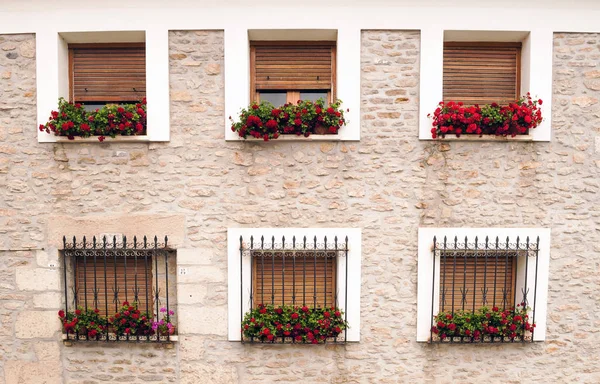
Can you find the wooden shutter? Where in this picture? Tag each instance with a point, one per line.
(490, 272)
(107, 72)
(287, 65)
(270, 278)
(482, 73)
(125, 279)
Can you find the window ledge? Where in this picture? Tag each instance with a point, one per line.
(94, 139)
(112, 338)
(293, 138)
(485, 138)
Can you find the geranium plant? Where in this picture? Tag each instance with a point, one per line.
(130, 321)
(266, 323)
(264, 121)
(164, 327)
(516, 118)
(511, 323)
(71, 120)
(83, 321)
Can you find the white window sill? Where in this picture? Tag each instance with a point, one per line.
(293, 138)
(484, 138)
(94, 139)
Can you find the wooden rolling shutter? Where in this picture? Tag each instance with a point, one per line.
(125, 282)
(269, 278)
(107, 72)
(292, 65)
(491, 274)
(482, 73)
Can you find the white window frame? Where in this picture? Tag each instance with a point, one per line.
(237, 75)
(425, 269)
(53, 78)
(354, 272)
(536, 75)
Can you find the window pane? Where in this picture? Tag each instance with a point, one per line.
(294, 278)
(275, 98)
(489, 281)
(93, 107)
(313, 95)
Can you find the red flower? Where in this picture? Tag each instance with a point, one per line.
(101, 138)
(266, 331)
(326, 314)
(78, 312)
(263, 310)
(121, 110)
(127, 331)
(338, 314)
(279, 311)
(305, 309)
(298, 338)
(272, 125)
(495, 309)
(254, 106)
(333, 130)
(91, 118)
(270, 337)
(85, 127)
(126, 303)
(96, 311)
(266, 137)
(540, 101)
(294, 316)
(330, 110)
(448, 317)
(61, 314)
(452, 326)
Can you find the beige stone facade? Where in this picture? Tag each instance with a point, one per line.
(197, 185)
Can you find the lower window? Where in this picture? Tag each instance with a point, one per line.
(119, 291)
(482, 285)
(294, 285)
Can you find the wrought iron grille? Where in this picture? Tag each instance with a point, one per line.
(297, 273)
(101, 275)
(471, 279)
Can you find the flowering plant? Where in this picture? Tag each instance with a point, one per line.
(83, 321)
(301, 324)
(164, 327)
(130, 321)
(512, 119)
(512, 323)
(263, 121)
(111, 120)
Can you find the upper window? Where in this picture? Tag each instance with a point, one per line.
(288, 71)
(482, 72)
(107, 73)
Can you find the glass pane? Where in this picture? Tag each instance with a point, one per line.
(276, 98)
(92, 107)
(313, 95)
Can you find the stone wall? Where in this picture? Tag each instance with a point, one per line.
(388, 184)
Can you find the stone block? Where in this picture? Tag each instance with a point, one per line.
(191, 293)
(36, 324)
(37, 279)
(194, 256)
(48, 300)
(203, 320)
(25, 372)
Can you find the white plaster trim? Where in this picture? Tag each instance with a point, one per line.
(233, 272)
(53, 82)
(425, 271)
(237, 74)
(536, 73)
(108, 139)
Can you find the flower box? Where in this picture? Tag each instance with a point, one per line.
(73, 120)
(483, 325)
(514, 119)
(293, 324)
(263, 121)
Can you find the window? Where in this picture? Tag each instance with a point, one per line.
(295, 277)
(482, 72)
(107, 73)
(480, 285)
(471, 279)
(295, 267)
(100, 276)
(288, 71)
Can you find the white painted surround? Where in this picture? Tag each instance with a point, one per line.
(238, 296)
(425, 271)
(433, 18)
